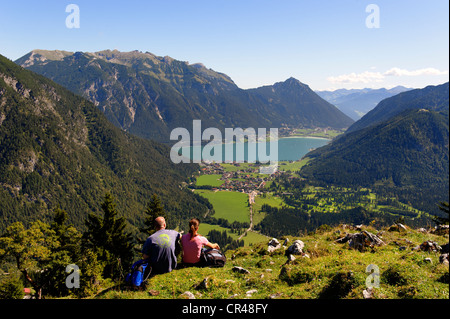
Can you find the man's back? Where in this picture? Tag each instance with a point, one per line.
(161, 248)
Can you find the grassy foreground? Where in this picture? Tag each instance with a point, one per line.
(333, 270)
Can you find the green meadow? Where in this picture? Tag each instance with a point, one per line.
(212, 180)
(232, 206)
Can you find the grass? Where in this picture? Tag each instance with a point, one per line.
(292, 166)
(232, 206)
(270, 199)
(332, 271)
(211, 180)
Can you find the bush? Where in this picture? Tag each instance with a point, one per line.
(393, 276)
(339, 287)
(12, 288)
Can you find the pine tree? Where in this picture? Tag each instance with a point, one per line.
(107, 236)
(154, 209)
(443, 206)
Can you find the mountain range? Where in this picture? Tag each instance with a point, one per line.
(400, 147)
(355, 103)
(58, 150)
(149, 96)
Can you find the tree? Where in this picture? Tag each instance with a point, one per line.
(42, 252)
(107, 236)
(31, 251)
(443, 206)
(154, 209)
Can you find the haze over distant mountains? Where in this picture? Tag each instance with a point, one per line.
(357, 102)
(149, 95)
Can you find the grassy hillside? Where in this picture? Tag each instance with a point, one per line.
(333, 270)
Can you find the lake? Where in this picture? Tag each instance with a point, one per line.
(289, 149)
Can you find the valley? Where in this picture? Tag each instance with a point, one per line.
(265, 205)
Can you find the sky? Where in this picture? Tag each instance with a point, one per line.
(326, 44)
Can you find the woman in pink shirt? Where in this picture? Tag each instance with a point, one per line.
(193, 243)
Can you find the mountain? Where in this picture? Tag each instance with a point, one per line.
(357, 102)
(283, 99)
(58, 150)
(149, 95)
(431, 97)
(406, 155)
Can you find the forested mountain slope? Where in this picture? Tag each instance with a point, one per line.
(58, 150)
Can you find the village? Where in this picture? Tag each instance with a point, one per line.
(246, 178)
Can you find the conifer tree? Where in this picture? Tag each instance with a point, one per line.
(107, 236)
(154, 209)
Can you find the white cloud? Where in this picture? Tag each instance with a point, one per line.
(365, 77)
(403, 72)
(368, 76)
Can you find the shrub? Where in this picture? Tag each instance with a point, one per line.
(339, 287)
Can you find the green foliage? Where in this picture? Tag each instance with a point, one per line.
(58, 150)
(106, 235)
(154, 209)
(11, 287)
(404, 157)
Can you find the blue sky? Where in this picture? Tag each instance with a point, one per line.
(325, 44)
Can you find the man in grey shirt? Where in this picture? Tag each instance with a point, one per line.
(161, 248)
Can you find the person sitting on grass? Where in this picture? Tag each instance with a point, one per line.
(193, 243)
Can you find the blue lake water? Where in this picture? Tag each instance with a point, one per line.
(289, 149)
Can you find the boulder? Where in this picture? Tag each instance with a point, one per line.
(274, 244)
(296, 248)
(429, 246)
(443, 259)
(361, 240)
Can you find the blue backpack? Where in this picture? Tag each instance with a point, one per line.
(138, 274)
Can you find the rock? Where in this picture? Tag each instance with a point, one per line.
(368, 293)
(296, 248)
(204, 284)
(240, 270)
(443, 259)
(187, 295)
(286, 241)
(291, 257)
(152, 292)
(251, 292)
(275, 296)
(430, 246)
(397, 227)
(441, 229)
(444, 249)
(428, 260)
(361, 240)
(422, 230)
(402, 248)
(274, 244)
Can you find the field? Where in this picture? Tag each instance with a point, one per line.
(249, 239)
(212, 180)
(232, 206)
(292, 166)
